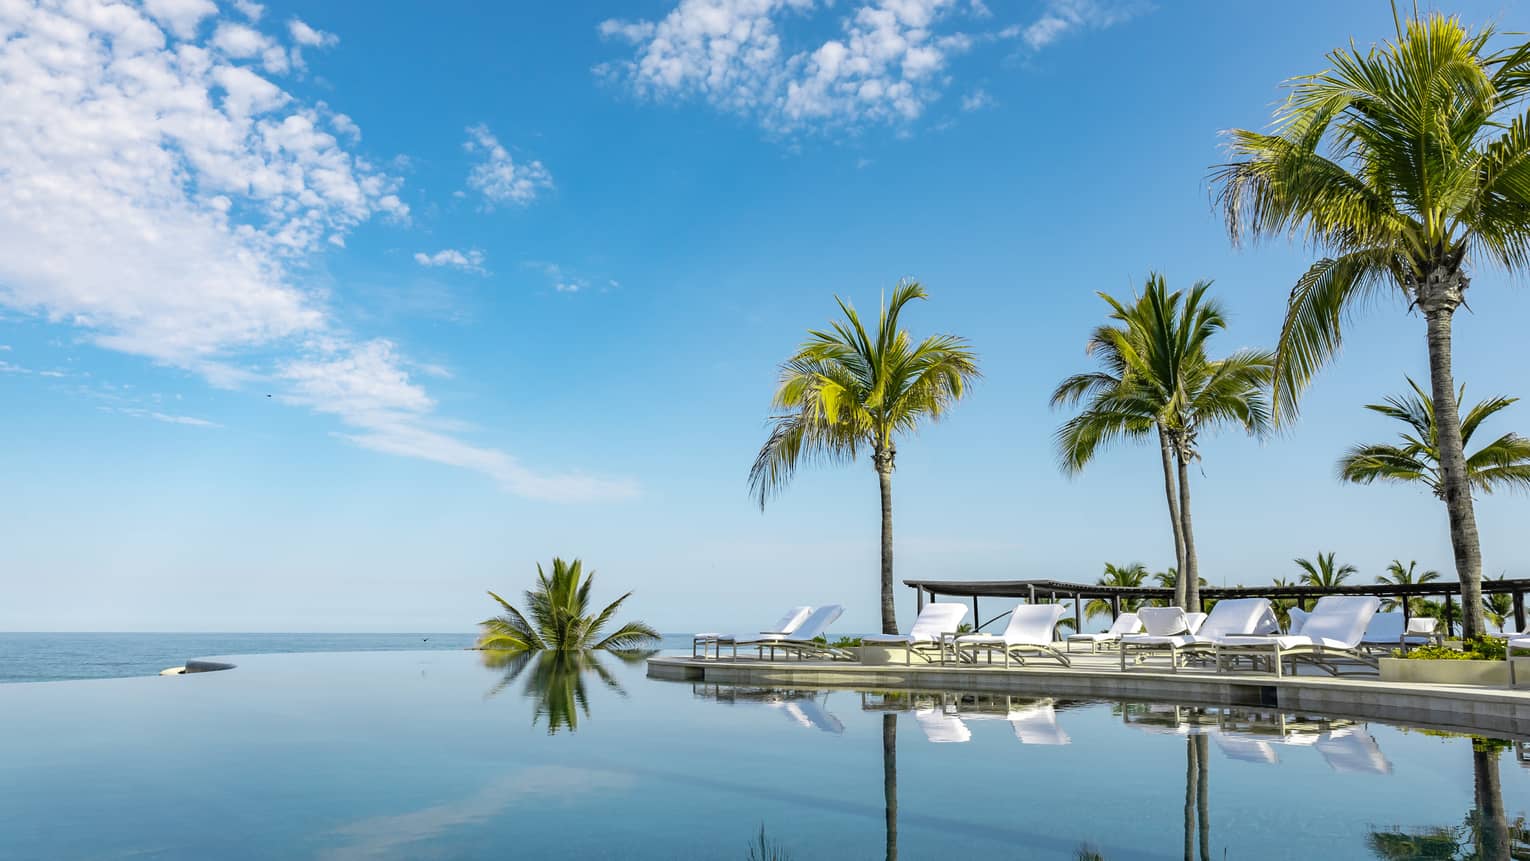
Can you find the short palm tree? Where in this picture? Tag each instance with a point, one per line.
(1325, 573)
(1158, 378)
(1497, 607)
(1399, 575)
(1283, 606)
(1402, 164)
(1130, 576)
(560, 620)
(1504, 462)
(846, 390)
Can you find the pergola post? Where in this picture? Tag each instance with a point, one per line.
(1407, 611)
(1115, 607)
(1519, 612)
(919, 600)
(1450, 615)
(976, 619)
(1078, 614)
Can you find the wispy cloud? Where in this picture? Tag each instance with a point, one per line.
(468, 261)
(976, 100)
(498, 177)
(163, 194)
(167, 418)
(890, 60)
(1062, 17)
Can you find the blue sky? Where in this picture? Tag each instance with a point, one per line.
(330, 316)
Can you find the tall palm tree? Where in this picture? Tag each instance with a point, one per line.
(1405, 576)
(560, 619)
(1504, 462)
(1402, 163)
(845, 390)
(1130, 576)
(1159, 378)
(1324, 572)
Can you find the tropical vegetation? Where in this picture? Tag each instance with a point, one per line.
(1502, 463)
(560, 617)
(1129, 576)
(1403, 164)
(556, 681)
(1156, 380)
(1324, 572)
(846, 390)
(1400, 575)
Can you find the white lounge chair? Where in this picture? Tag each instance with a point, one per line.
(1194, 621)
(787, 624)
(1298, 618)
(1353, 750)
(939, 725)
(1333, 631)
(810, 713)
(799, 642)
(1230, 617)
(1030, 631)
(1388, 631)
(1126, 623)
(935, 621)
(1245, 748)
(1515, 643)
(1037, 724)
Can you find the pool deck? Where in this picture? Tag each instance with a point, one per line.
(1461, 708)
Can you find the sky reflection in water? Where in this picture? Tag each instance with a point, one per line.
(436, 755)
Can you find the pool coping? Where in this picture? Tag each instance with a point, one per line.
(1456, 708)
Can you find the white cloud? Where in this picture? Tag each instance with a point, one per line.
(563, 281)
(889, 61)
(309, 37)
(367, 389)
(182, 17)
(470, 260)
(250, 9)
(976, 100)
(497, 176)
(164, 197)
(167, 418)
(884, 67)
(1062, 17)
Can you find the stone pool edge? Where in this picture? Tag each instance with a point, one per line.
(1457, 708)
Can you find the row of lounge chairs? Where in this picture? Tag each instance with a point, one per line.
(1338, 635)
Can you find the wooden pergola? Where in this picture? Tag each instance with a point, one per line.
(1051, 591)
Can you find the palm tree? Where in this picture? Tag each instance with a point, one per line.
(1400, 576)
(560, 620)
(556, 681)
(845, 390)
(1399, 163)
(1325, 573)
(1159, 378)
(1504, 462)
(1130, 576)
(1283, 606)
(1497, 607)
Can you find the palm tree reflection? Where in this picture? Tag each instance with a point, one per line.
(1485, 833)
(555, 681)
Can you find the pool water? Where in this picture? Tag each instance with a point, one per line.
(455, 755)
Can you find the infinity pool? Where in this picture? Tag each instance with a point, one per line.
(434, 755)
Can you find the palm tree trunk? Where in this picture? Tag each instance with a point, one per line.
(1458, 494)
(890, 781)
(1492, 825)
(1179, 534)
(883, 460)
(1190, 575)
(1203, 795)
(1191, 773)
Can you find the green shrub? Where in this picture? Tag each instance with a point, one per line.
(1473, 649)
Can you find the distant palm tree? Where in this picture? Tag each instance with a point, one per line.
(1404, 163)
(1504, 462)
(1130, 576)
(846, 390)
(1498, 606)
(1158, 378)
(560, 619)
(1400, 576)
(1324, 573)
(1283, 606)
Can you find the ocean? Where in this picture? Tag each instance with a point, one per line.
(51, 657)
